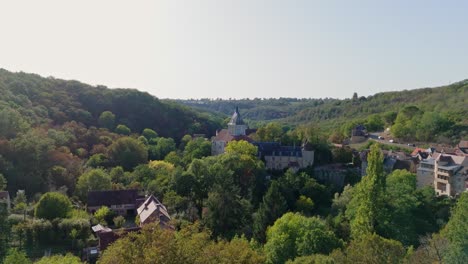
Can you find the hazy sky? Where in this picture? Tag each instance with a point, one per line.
(239, 48)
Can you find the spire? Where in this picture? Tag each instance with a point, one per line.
(236, 118)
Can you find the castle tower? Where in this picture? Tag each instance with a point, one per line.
(236, 126)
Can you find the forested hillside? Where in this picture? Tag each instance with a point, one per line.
(48, 101)
(432, 114)
(59, 140)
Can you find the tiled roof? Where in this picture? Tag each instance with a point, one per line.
(153, 208)
(417, 150)
(223, 135)
(112, 197)
(275, 149)
(236, 119)
(109, 236)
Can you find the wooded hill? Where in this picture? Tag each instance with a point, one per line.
(53, 101)
(449, 103)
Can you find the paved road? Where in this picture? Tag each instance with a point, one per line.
(375, 136)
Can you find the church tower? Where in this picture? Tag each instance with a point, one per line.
(236, 126)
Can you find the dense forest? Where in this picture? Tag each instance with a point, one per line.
(52, 102)
(61, 139)
(429, 114)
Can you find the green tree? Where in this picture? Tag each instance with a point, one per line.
(202, 182)
(295, 235)
(366, 206)
(241, 147)
(406, 122)
(117, 175)
(371, 248)
(227, 212)
(184, 141)
(163, 147)
(196, 149)
(53, 205)
(389, 117)
(128, 153)
(11, 123)
(107, 120)
(456, 232)
(374, 123)
(103, 215)
(149, 133)
(173, 158)
(3, 182)
(304, 205)
(4, 229)
(97, 160)
(92, 180)
(59, 259)
(273, 206)
(401, 202)
(190, 245)
(119, 221)
(122, 130)
(312, 259)
(15, 256)
(31, 159)
(272, 132)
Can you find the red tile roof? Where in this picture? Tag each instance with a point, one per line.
(416, 151)
(223, 135)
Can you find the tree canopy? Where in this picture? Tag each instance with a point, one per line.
(53, 205)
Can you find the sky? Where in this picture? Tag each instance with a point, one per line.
(239, 48)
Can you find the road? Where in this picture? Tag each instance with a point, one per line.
(375, 136)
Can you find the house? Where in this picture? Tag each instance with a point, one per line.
(359, 134)
(446, 173)
(425, 173)
(5, 196)
(421, 154)
(108, 236)
(123, 202)
(151, 210)
(277, 157)
(393, 160)
(450, 175)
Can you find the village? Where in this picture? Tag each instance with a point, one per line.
(443, 169)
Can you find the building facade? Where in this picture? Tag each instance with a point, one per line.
(236, 131)
(277, 157)
(123, 202)
(446, 173)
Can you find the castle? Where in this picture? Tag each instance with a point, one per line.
(275, 156)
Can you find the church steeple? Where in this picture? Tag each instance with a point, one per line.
(236, 126)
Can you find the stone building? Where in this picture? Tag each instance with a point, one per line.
(236, 130)
(446, 173)
(450, 175)
(277, 157)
